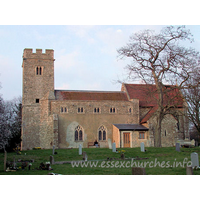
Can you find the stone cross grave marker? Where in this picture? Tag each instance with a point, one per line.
(178, 147)
(142, 147)
(80, 149)
(195, 160)
(113, 147)
(53, 149)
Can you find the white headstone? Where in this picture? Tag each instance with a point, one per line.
(195, 160)
(142, 147)
(113, 147)
(80, 149)
(177, 146)
(109, 144)
(53, 149)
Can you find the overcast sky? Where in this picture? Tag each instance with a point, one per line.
(85, 56)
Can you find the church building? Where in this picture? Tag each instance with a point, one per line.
(67, 118)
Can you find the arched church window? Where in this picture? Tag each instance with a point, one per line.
(78, 133)
(102, 133)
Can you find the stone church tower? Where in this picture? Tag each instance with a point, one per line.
(38, 80)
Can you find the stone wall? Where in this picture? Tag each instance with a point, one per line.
(169, 131)
(90, 121)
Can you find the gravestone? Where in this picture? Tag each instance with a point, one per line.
(85, 156)
(195, 160)
(142, 147)
(189, 171)
(51, 160)
(53, 149)
(122, 156)
(113, 147)
(109, 144)
(29, 166)
(138, 171)
(178, 147)
(80, 149)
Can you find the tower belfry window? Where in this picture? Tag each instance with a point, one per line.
(38, 70)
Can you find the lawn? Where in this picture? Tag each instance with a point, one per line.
(158, 161)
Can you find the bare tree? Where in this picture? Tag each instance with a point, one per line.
(10, 122)
(192, 96)
(5, 133)
(159, 59)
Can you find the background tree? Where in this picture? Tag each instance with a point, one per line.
(159, 59)
(5, 133)
(192, 96)
(10, 123)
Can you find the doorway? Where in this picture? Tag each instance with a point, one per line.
(126, 139)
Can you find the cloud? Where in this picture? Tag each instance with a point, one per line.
(83, 32)
(111, 38)
(67, 60)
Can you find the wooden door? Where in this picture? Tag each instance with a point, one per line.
(127, 139)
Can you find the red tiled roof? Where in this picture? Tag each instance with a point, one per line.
(90, 95)
(149, 114)
(148, 97)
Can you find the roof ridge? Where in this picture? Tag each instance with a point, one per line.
(93, 91)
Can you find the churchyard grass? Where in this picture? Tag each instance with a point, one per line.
(164, 154)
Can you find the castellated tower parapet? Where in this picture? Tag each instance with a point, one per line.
(48, 55)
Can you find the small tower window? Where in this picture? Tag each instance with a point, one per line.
(38, 70)
(37, 101)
